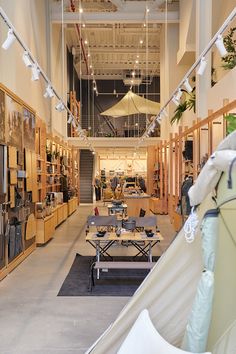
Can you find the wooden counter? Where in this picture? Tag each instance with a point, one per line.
(135, 202)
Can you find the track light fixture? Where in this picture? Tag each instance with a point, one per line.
(220, 46)
(35, 72)
(152, 127)
(174, 99)
(202, 66)
(70, 119)
(179, 94)
(73, 123)
(164, 111)
(48, 92)
(159, 119)
(9, 40)
(26, 59)
(60, 107)
(188, 86)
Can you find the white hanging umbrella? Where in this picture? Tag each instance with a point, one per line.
(132, 104)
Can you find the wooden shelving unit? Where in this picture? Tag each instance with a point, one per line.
(40, 148)
(54, 159)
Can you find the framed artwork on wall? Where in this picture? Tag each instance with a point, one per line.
(28, 129)
(13, 123)
(2, 116)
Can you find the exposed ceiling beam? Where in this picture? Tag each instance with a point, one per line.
(117, 17)
(119, 50)
(116, 142)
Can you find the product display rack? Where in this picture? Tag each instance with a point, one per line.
(18, 202)
(57, 158)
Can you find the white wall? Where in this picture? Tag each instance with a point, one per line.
(186, 31)
(225, 88)
(28, 18)
(171, 73)
(59, 77)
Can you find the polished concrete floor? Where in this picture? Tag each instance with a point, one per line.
(34, 320)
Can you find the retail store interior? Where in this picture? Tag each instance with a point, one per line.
(117, 176)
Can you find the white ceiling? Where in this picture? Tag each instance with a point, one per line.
(113, 30)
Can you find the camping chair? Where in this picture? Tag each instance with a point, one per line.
(142, 213)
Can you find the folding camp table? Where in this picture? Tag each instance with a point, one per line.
(102, 244)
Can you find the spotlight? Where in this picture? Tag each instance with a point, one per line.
(85, 42)
(35, 72)
(202, 66)
(220, 46)
(26, 59)
(141, 41)
(93, 152)
(80, 10)
(83, 25)
(179, 94)
(152, 128)
(176, 102)
(188, 86)
(10, 39)
(159, 119)
(60, 107)
(73, 123)
(70, 119)
(136, 61)
(48, 92)
(165, 112)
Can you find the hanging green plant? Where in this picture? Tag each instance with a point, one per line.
(231, 122)
(230, 45)
(188, 102)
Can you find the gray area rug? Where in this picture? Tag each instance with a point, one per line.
(113, 283)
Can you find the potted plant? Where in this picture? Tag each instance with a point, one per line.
(231, 122)
(229, 60)
(188, 101)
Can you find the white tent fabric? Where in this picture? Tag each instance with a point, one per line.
(132, 104)
(195, 338)
(168, 291)
(218, 162)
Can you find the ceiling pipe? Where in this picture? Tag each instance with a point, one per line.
(72, 8)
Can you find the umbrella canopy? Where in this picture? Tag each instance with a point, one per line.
(132, 104)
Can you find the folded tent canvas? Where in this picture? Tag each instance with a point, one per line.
(132, 104)
(169, 290)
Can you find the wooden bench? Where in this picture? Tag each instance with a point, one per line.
(117, 265)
